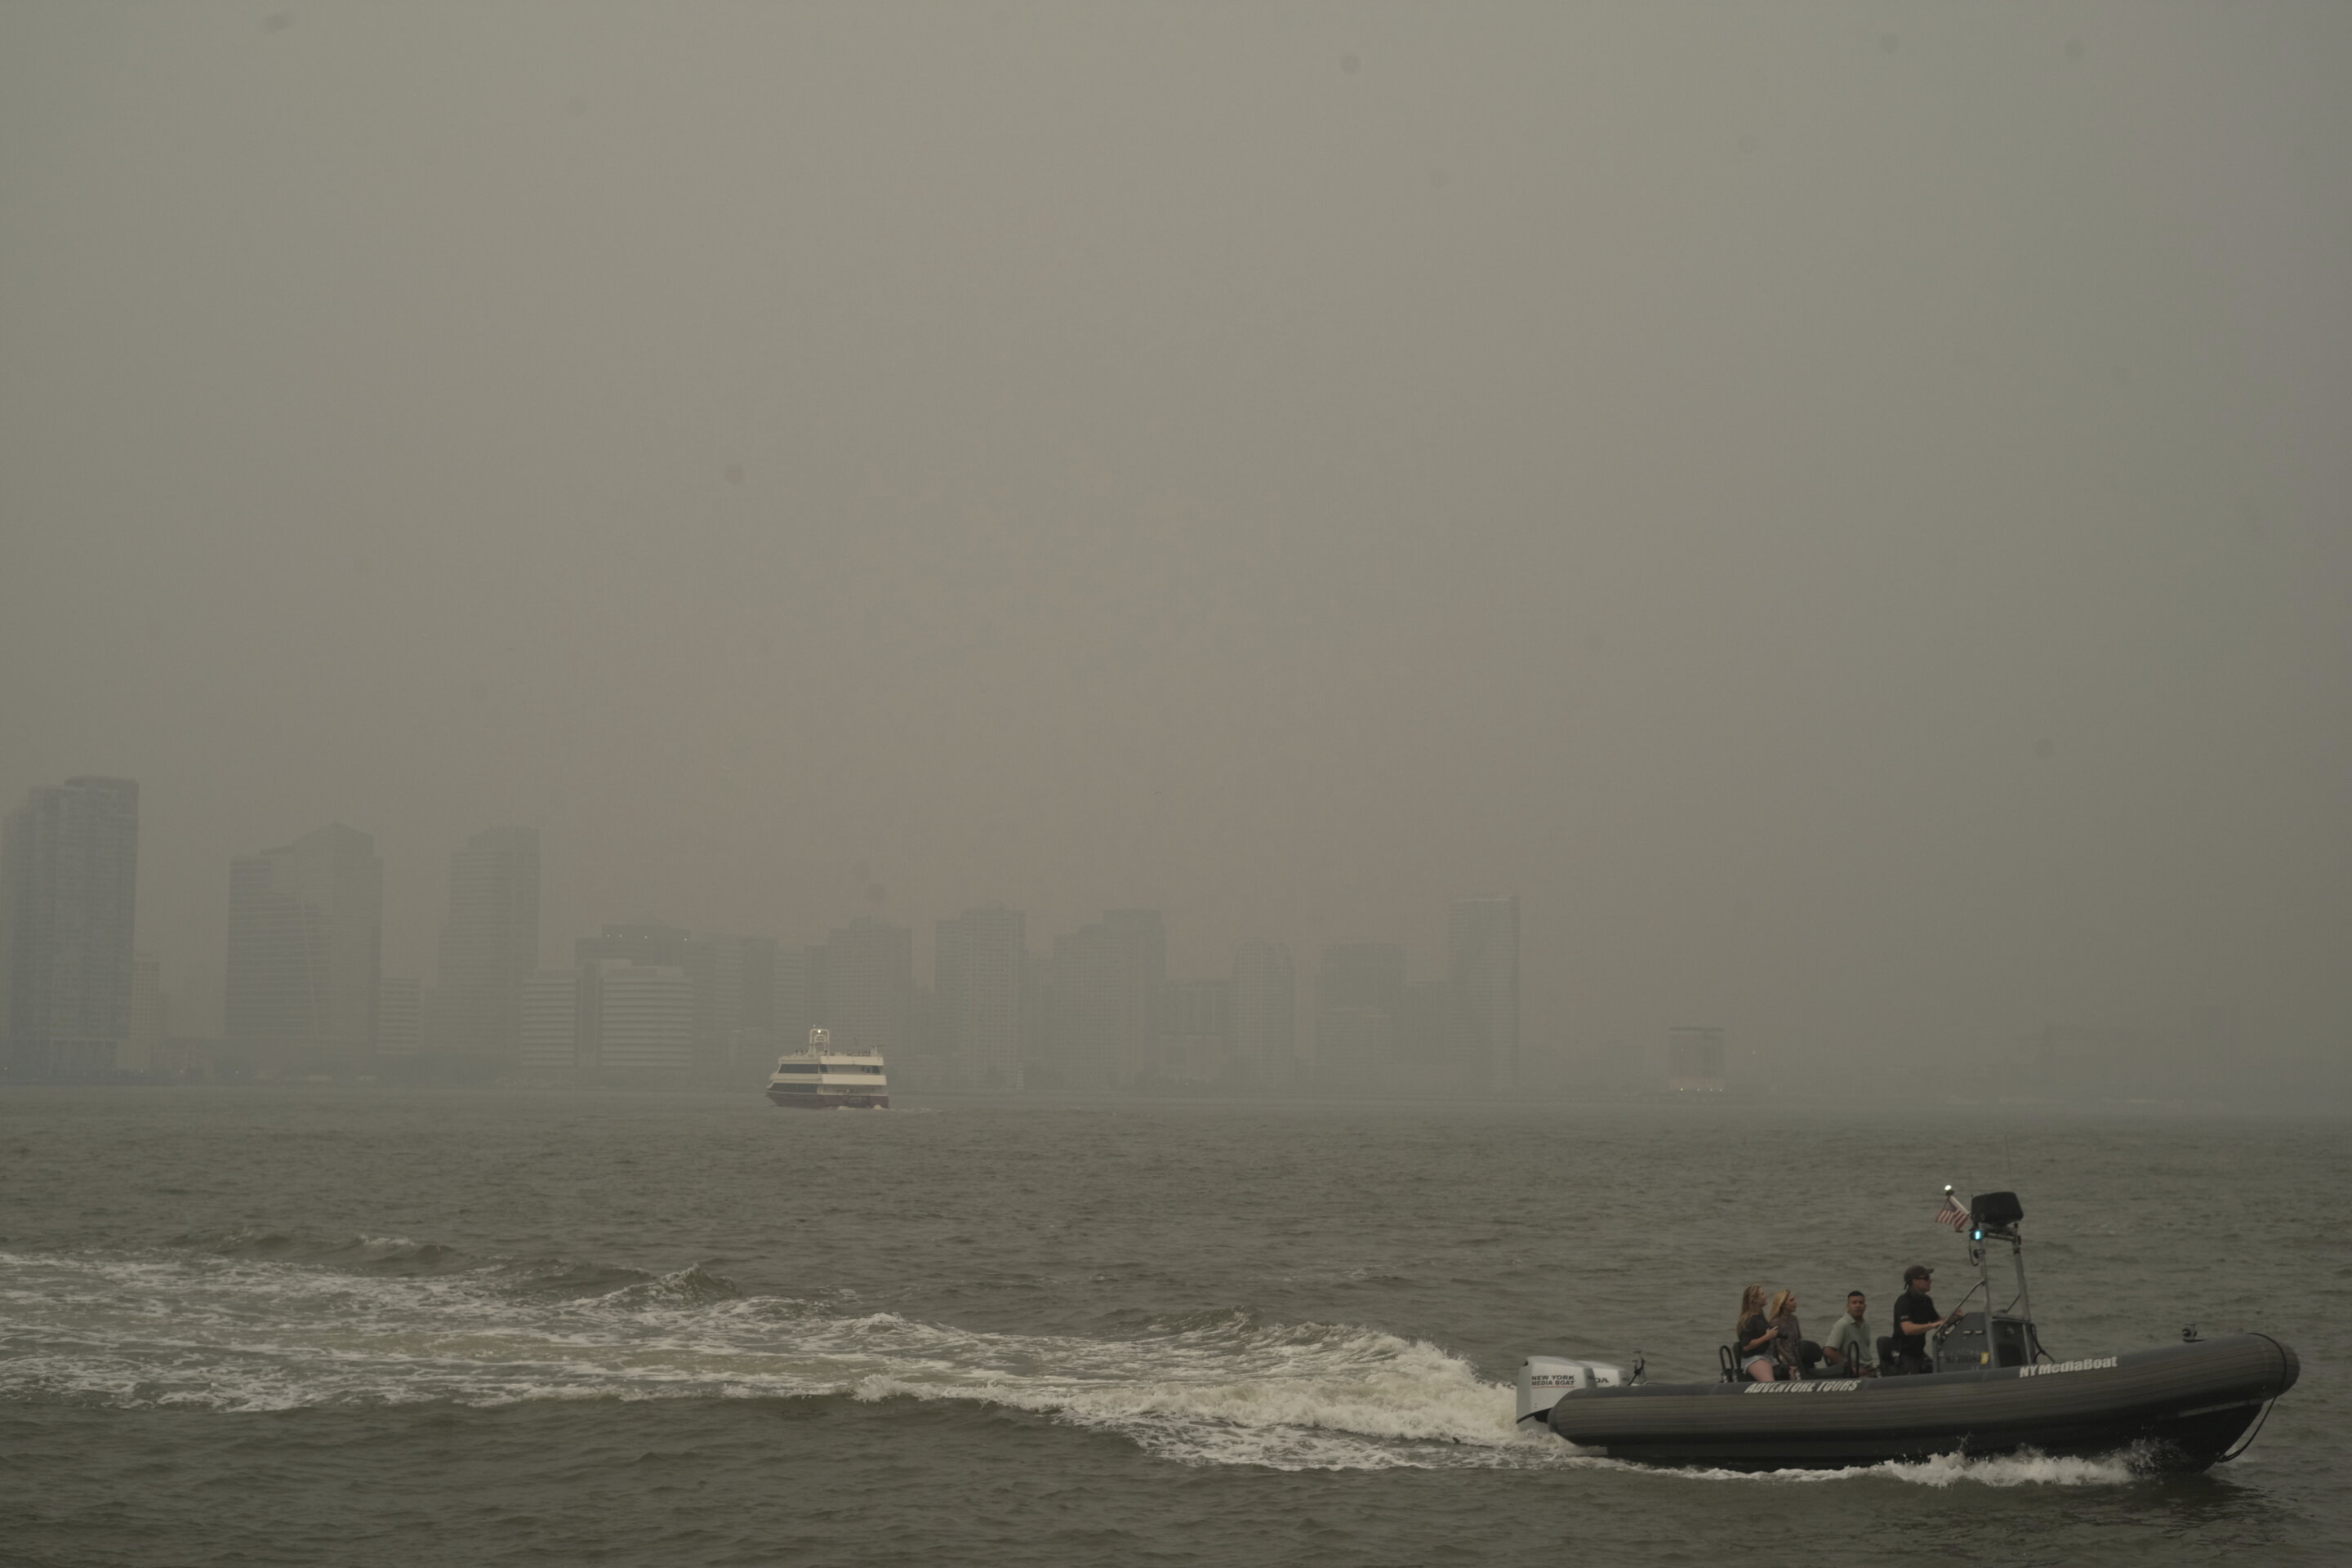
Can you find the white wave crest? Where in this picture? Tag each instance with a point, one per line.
(231, 1333)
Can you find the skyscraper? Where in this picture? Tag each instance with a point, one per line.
(1266, 1014)
(609, 1015)
(304, 941)
(1108, 982)
(1358, 1006)
(150, 1017)
(399, 1001)
(69, 887)
(869, 967)
(489, 946)
(1482, 953)
(1196, 1044)
(800, 995)
(978, 973)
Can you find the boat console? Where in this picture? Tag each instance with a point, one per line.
(1991, 1336)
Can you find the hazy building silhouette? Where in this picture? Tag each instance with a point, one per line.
(1695, 1062)
(734, 984)
(978, 967)
(610, 1015)
(399, 1016)
(1196, 1032)
(151, 1022)
(1107, 980)
(489, 946)
(1363, 974)
(742, 1019)
(1353, 1048)
(1266, 1015)
(555, 1036)
(798, 991)
(643, 1018)
(69, 889)
(305, 945)
(869, 967)
(1426, 1045)
(1359, 993)
(1482, 950)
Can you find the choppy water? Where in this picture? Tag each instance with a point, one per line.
(344, 1325)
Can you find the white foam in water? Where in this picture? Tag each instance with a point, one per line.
(229, 1334)
(240, 1335)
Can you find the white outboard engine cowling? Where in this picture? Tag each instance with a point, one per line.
(1544, 1378)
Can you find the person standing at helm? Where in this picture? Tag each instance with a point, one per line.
(1915, 1318)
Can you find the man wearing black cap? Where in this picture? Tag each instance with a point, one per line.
(1915, 1318)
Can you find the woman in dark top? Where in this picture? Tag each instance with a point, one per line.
(1752, 1341)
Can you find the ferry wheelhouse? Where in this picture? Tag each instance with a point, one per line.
(826, 1075)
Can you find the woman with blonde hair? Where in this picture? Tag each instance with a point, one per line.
(1753, 1336)
(1790, 1346)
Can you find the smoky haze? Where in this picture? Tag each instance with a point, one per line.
(1840, 509)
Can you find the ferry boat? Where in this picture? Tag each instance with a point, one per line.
(1990, 1389)
(826, 1075)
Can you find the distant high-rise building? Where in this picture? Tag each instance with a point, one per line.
(1266, 1014)
(489, 946)
(305, 939)
(554, 1033)
(1363, 974)
(1694, 1060)
(734, 984)
(1353, 1048)
(609, 1015)
(643, 1015)
(1426, 1045)
(69, 887)
(799, 1004)
(745, 1013)
(399, 1012)
(1482, 946)
(1359, 1001)
(1196, 1032)
(978, 968)
(1108, 981)
(150, 1017)
(870, 970)
(648, 942)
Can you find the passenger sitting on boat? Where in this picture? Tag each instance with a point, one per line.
(1754, 1338)
(1915, 1318)
(1849, 1348)
(1796, 1355)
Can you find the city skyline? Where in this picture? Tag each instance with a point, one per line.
(1096, 1007)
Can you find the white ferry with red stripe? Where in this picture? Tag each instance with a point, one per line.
(827, 1076)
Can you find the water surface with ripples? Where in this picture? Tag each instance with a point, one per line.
(362, 1325)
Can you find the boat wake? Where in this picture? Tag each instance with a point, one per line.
(252, 1321)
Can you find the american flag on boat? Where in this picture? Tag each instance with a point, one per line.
(1954, 1214)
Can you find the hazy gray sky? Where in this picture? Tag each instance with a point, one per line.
(1842, 508)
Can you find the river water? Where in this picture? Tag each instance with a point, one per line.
(352, 1325)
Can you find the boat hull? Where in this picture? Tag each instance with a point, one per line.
(2180, 1407)
(831, 1101)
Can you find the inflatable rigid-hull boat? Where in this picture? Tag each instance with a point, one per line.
(2182, 1405)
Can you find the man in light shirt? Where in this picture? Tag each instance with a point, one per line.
(1849, 1349)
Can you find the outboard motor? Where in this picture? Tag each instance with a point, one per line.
(1544, 1378)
